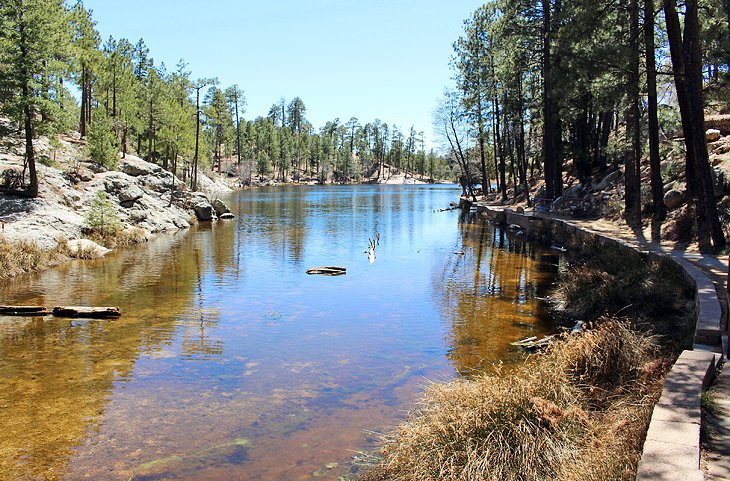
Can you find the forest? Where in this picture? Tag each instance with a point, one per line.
(544, 92)
(57, 75)
(575, 89)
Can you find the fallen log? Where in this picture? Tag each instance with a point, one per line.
(532, 343)
(24, 311)
(89, 312)
(327, 271)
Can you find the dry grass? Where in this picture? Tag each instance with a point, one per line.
(118, 237)
(576, 412)
(602, 282)
(26, 256)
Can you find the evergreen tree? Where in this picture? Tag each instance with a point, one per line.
(34, 43)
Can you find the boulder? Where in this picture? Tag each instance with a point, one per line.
(123, 188)
(96, 168)
(86, 249)
(220, 207)
(137, 167)
(227, 215)
(573, 192)
(673, 199)
(162, 182)
(200, 204)
(604, 183)
(719, 182)
(712, 135)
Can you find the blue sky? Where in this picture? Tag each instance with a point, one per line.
(374, 59)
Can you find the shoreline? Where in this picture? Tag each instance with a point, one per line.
(677, 412)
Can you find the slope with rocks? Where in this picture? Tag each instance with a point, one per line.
(144, 196)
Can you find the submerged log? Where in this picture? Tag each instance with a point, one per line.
(84, 311)
(24, 311)
(328, 271)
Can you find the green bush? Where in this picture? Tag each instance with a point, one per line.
(102, 144)
(102, 219)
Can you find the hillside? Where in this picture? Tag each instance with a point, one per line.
(139, 194)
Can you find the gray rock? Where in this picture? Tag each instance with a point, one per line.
(85, 248)
(126, 190)
(673, 199)
(606, 181)
(220, 207)
(573, 192)
(85, 174)
(201, 206)
(227, 215)
(712, 135)
(719, 182)
(137, 167)
(161, 182)
(96, 168)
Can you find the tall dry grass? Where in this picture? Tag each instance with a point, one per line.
(576, 412)
(111, 239)
(26, 256)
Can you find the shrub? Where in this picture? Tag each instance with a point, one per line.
(102, 220)
(102, 144)
(26, 256)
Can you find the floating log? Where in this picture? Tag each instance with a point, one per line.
(24, 311)
(327, 271)
(89, 312)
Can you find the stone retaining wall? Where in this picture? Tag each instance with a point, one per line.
(672, 447)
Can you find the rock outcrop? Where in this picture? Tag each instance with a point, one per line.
(140, 193)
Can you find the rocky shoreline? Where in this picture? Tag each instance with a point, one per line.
(140, 193)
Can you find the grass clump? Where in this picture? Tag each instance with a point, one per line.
(576, 412)
(602, 282)
(27, 256)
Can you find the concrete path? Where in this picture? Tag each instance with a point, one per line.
(716, 449)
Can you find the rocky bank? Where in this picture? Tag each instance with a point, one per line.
(139, 191)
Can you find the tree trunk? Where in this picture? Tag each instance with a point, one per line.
(500, 151)
(706, 205)
(551, 123)
(84, 101)
(632, 178)
(657, 185)
(194, 173)
(238, 134)
(688, 80)
(32, 190)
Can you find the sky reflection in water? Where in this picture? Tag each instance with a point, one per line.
(231, 363)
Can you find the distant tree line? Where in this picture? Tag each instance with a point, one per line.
(545, 87)
(128, 103)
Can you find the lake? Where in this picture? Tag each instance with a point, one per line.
(231, 363)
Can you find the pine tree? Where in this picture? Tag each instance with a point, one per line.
(34, 40)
